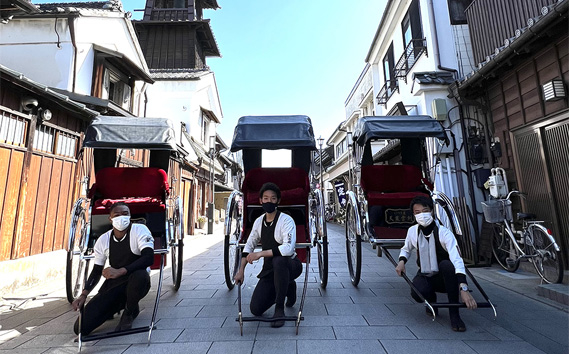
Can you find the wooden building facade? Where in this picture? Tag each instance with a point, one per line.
(525, 119)
(40, 135)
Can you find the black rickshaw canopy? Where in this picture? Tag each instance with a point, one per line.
(273, 133)
(109, 132)
(397, 127)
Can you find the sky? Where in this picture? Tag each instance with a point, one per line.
(287, 57)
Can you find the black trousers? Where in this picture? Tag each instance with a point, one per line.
(445, 281)
(113, 296)
(272, 288)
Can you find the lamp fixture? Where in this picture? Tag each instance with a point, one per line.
(554, 90)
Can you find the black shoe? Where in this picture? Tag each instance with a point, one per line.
(125, 322)
(291, 294)
(456, 323)
(279, 312)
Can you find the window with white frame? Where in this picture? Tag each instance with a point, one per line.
(13, 129)
(203, 122)
(341, 148)
(116, 88)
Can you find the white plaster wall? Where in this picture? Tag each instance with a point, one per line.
(180, 100)
(30, 47)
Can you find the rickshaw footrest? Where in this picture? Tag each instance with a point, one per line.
(269, 319)
(113, 334)
(450, 305)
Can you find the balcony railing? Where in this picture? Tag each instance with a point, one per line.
(171, 14)
(387, 91)
(414, 50)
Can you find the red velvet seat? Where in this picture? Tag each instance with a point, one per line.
(391, 185)
(143, 189)
(295, 188)
(293, 183)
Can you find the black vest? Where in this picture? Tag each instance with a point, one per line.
(120, 254)
(268, 242)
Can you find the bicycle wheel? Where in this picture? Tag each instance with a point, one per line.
(505, 252)
(76, 268)
(177, 244)
(230, 245)
(353, 246)
(546, 259)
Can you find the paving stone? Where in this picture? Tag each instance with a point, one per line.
(202, 322)
(24, 351)
(51, 340)
(510, 347)
(114, 349)
(265, 332)
(373, 332)
(355, 309)
(339, 346)
(170, 348)
(274, 347)
(234, 347)
(406, 346)
(158, 336)
(214, 334)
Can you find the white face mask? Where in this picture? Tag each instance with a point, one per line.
(424, 219)
(121, 222)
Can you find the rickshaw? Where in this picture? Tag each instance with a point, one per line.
(299, 198)
(147, 182)
(377, 207)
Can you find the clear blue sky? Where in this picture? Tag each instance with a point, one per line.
(287, 57)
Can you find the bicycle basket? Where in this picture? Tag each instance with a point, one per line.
(495, 211)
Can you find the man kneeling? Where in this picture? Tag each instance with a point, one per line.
(130, 250)
(441, 268)
(277, 233)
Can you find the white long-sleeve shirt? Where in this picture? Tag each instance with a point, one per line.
(285, 235)
(447, 240)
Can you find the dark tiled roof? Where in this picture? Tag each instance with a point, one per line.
(178, 74)
(111, 5)
(434, 78)
(210, 4)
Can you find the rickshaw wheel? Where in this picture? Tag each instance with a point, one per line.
(177, 246)
(353, 247)
(76, 268)
(230, 252)
(322, 247)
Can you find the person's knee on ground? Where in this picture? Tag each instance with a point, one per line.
(256, 310)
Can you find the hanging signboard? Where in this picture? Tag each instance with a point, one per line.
(341, 192)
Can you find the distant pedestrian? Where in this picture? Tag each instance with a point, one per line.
(130, 250)
(441, 268)
(277, 233)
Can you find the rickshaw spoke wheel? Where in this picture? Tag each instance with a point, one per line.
(230, 252)
(177, 244)
(76, 267)
(353, 247)
(322, 248)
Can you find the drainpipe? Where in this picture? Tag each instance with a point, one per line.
(71, 21)
(433, 26)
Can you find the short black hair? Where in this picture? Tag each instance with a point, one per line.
(117, 204)
(269, 186)
(422, 200)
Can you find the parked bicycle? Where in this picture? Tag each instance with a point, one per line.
(534, 242)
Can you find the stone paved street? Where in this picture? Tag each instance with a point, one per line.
(377, 317)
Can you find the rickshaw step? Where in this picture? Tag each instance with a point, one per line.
(269, 319)
(113, 334)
